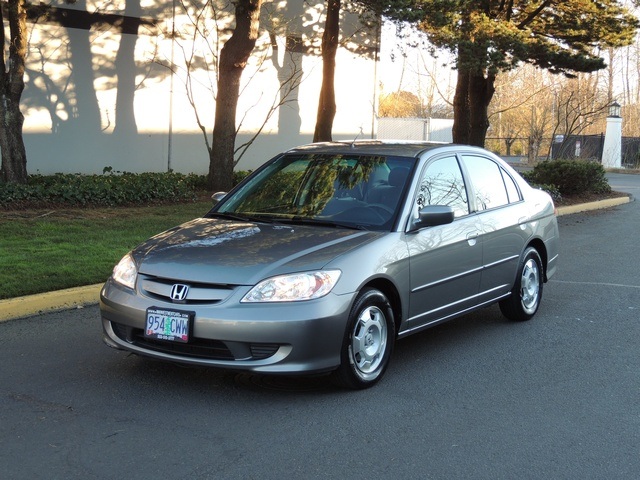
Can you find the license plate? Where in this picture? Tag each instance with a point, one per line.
(170, 325)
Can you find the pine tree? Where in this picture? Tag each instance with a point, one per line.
(491, 36)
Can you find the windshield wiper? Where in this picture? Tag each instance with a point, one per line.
(286, 220)
(321, 223)
(241, 218)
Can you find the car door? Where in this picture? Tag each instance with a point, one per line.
(445, 260)
(503, 216)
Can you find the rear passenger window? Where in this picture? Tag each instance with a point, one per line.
(488, 183)
(512, 190)
(442, 184)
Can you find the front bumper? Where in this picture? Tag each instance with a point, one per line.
(296, 337)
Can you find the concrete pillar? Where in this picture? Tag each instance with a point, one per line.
(612, 150)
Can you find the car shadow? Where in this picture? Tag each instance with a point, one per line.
(431, 345)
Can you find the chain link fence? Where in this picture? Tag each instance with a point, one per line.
(584, 147)
(423, 129)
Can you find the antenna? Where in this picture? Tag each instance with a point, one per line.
(353, 143)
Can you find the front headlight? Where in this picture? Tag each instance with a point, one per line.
(125, 272)
(293, 288)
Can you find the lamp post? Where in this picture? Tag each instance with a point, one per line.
(614, 110)
(612, 149)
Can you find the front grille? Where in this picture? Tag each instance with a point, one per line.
(198, 294)
(196, 347)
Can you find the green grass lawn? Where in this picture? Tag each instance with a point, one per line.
(43, 251)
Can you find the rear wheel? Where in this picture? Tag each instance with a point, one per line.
(368, 341)
(527, 292)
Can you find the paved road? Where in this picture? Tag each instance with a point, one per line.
(621, 182)
(556, 397)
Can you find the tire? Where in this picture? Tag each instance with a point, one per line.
(368, 341)
(526, 294)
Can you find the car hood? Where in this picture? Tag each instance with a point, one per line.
(242, 253)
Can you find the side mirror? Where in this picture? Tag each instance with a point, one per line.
(216, 197)
(431, 216)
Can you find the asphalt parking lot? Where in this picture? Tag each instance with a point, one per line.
(479, 397)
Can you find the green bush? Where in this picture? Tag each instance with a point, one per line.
(549, 188)
(570, 177)
(109, 189)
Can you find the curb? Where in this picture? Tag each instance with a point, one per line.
(583, 207)
(79, 297)
(49, 302)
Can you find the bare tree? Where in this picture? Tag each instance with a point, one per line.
(233, 59)
(201, 52)
(579, 105)
(289, 77)
(521, 109)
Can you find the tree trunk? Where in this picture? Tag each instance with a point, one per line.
(471, 101)
(233, 60)
(327, 102)
(461, 114)
(481, 92)
(474, 92)
(508, 144)
(14, 157)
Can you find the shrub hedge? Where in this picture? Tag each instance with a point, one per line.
(569, 177)
(109, 189)
(558, 177)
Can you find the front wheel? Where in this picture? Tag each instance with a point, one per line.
(527, 292)
(368, 341)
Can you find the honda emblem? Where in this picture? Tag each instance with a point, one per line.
(179, 292)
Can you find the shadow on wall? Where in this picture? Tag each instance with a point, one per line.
(86, 68)
(69, 153)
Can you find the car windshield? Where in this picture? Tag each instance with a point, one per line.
(353, 191)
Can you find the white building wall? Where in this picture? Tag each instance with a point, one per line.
(70, 119)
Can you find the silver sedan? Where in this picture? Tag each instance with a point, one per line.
(325, 256)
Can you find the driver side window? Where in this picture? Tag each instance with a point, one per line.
(442, 184)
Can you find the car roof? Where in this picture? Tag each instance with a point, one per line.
(371, 147)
